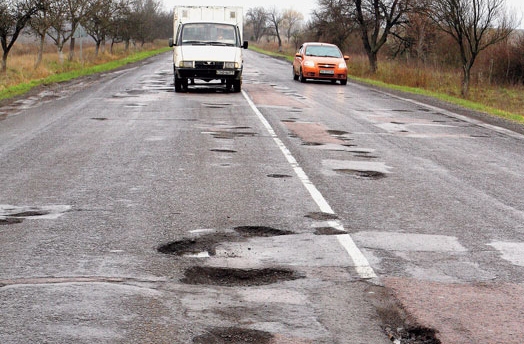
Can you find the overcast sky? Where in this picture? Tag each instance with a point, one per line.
(303, 6)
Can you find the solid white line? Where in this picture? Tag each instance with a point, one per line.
(362, 266)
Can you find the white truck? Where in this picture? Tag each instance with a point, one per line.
(207, 45)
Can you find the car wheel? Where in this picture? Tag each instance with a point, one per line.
(301, 77)
(295, 75)
(343, 82)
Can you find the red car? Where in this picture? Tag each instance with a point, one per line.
(321, 61)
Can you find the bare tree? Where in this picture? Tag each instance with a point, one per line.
(257, 18)
(333, 21)
(40, 24)
(60, 31)
(97, 22)
(76, 11)
(14, 15)
(291, 22)
(275, 22)
(474, 25)
(376, 20)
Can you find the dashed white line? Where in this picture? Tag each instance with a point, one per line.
(362, 266)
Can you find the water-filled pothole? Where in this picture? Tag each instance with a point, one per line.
(233, 335)
(229, 277)
(362, 173)
(260, 231)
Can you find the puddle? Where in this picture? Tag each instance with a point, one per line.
(233, 335)
(321, 216)
(260, 231)
(229, 277)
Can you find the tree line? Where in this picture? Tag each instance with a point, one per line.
(420, 29)
(62, 21)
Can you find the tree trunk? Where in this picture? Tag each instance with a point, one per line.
(72, 48)
(4, 63)
(466, 76)
(373, 62)
(40, 51)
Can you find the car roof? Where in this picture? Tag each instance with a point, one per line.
(318, 43)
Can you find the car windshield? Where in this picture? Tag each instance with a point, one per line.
(323, 51)
(209, 34)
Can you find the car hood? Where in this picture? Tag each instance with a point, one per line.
(209, 53)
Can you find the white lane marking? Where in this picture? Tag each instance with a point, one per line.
(362, 266)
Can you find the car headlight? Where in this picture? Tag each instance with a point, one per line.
(309, 64)
(342, 65)
(231, 65)
(187, 64)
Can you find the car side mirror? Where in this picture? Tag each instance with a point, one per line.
(298, 55)
(346, 57)
(245, 45)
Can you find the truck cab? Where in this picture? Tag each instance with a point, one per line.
(207, 45)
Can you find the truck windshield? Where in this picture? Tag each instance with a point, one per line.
(209, 34)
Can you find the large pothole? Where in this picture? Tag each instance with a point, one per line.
(260, 231)
(233, 335)
(363, 174)
(237, 277)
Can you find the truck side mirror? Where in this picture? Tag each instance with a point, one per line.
(245, 45)
(171, 44)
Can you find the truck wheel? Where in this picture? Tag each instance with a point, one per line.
(178, 84)
(237, 86)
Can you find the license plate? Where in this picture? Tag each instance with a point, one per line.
(327, 72)
(225, 72)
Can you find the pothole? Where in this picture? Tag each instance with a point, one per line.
(99, 118)
(231, 134)
(219, 150)
(312, 143)
(206, 244)
(362, 173)
(260, 231)
(10, 221)
(328, 231)
(321, 216)
(229, 277)
(234, 335)
(276, 175)
(337, 132)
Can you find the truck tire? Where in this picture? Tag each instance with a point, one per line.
(237, 86)
(178, 84)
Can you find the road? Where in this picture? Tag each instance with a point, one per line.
(288, 213)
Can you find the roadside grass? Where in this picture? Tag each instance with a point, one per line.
(429, 80)
(22, 76)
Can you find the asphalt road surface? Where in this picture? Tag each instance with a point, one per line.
(288, 213)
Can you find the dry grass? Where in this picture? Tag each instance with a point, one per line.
(22, 59)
